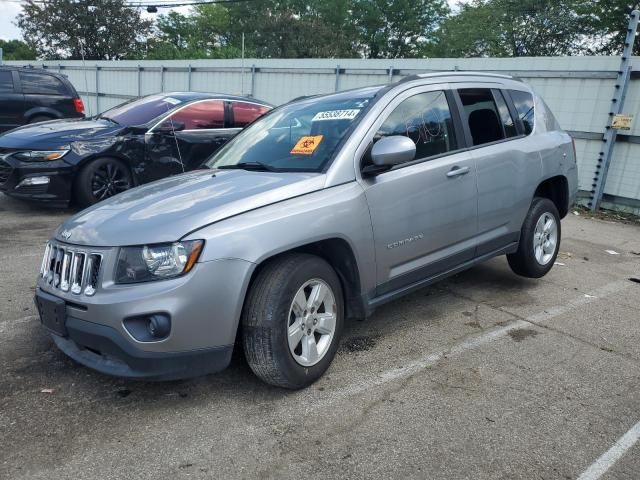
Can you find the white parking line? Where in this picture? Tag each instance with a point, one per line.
(615, 453)
(474, 342)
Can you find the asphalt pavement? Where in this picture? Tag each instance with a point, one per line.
(483, 376)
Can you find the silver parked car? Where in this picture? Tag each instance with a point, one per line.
(322, 210)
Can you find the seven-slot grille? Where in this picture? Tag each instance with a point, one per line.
(71, 269)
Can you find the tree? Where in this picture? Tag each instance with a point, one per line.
(97, 29)
(294, 28)
(609, 21)
(397, 28)
(515, 28)
(16, 50)
(202, 34)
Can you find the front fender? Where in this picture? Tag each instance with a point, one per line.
(339, 212)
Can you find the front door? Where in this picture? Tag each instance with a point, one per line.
(11, 102)
(188, 137)
(424, 213)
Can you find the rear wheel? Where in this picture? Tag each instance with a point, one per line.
(539, 240)
(100, 180)
(292, 320)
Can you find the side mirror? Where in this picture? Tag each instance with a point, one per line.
(169, 126)
(390, 151)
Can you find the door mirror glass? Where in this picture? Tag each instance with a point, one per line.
(390, 151)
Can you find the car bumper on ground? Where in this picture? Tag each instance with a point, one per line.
(49, 182)
(106, 331)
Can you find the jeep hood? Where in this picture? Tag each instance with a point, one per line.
(169, 209)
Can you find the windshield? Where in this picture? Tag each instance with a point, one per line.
(302, 136)
(141, 110)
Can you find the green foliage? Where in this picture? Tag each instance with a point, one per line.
(397, 28)
(108, 29)
(16, 50)
(515, 28)
(101, 30)
(294, 28)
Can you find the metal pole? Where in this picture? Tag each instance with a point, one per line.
(189, 77)
(0, 56)
(253, 80)
(242, 81)
(337, 78)
(162, 78)
(97, 90)
(617, 105)
(391, 74)
(139, 81)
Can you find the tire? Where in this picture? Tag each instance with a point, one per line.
(269, 315)
(39, 118)
(100, 180)
(533, 262)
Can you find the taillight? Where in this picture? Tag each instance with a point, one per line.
(79, 106)
(575, 155)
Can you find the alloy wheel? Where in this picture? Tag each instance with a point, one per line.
(545, 238)
(312, 322)
(108, 180)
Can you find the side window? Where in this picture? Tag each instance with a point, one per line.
(41, 84)
(426, 119)
(6, 82)
(508, 124)
(482, 115)
(524, 104)
(245, 113)
(201, 115)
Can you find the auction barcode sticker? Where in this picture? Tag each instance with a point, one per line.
(336, 115)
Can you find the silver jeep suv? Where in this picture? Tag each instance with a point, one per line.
(324, 209)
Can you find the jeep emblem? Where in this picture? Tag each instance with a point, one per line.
(66, 234)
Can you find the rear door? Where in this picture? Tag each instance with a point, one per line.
(245, 113)
(45, 95)
(185, 139)
(11, 101)
(506, 163)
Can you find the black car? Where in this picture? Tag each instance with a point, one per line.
(137, 142)
(30, 95)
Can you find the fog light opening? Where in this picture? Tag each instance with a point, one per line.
(159, 326)
(33, 181)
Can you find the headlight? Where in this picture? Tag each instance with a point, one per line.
(157, 262)
(40, 155)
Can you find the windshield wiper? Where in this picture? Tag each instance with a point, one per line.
(252, 166)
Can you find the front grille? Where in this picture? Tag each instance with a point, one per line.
(71, 269)
(5, 171)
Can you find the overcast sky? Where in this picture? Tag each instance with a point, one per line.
(10, 11)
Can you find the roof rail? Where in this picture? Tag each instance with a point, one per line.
(448, 73)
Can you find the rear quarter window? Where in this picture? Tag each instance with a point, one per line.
(41, 84)
(523, 101)
(6, 82)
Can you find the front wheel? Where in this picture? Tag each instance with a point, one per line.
(292, 320)
(539, 240)
(101, 179)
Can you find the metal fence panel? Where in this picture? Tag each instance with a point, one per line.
(578, 90)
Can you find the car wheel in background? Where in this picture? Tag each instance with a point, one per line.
(101, 179)
(292, 320)
(539, 240)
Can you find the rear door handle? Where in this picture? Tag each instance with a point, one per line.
(457, 171)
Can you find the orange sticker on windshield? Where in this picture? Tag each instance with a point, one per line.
(307, 145)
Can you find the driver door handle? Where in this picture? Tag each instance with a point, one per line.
(457, 172)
